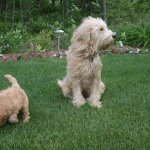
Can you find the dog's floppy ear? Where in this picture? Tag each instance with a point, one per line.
(82, 37)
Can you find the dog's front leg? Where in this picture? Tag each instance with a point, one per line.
(78, 99)
(94, 99)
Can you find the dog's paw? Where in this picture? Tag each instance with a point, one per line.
(78, 103)
(98, 105)
(102, 87)
(11, 120)
(95, 104)
(26, 119)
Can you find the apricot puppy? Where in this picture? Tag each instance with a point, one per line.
(13, 100)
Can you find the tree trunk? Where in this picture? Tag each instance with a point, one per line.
(53, 2)
(64, 10)
(83, 8)
(28, 7)
(6, 13)
(1, 7)
(21, 16)
(104, 10)
(13, 13)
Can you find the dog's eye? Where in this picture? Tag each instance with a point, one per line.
(101, 29)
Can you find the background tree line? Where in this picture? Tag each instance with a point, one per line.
(71, 11)
(30, 24)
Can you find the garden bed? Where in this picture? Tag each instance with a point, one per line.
(32, 55)
(62, 53)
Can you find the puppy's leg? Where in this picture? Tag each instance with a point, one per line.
(25, 111)
(3, 120)
(95, 95)
(78, 99)
(3, 116)
(26, 115)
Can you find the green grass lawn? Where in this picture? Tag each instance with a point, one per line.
(123, 123)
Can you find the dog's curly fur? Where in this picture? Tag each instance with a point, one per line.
(12, 100)
(83, 78)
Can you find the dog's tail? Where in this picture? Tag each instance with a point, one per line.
(12, 80)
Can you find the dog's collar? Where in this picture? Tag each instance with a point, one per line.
(90, 50)
(91, 57)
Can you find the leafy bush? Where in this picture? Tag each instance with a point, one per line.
(135, 35)
(11, 41)
(67, 36)
(35, 26)
(139, 35)
(43, 40)
(4, 27)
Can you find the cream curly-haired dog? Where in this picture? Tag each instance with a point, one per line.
(83, 78)
(12, 100)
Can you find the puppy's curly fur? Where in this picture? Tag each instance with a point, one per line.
(12, 100)
(83, 78)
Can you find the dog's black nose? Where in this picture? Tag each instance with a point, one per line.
(114, 35)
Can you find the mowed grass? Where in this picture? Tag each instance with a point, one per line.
(123, 123)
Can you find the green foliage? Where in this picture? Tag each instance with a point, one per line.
(43, 40)
(35, 26)
(95, 8)
(67, 36)
(139, 35)
(120, 11)
(135, 35)
(11, 41)
(124, 37)
(74, 16)
(4, 27)
(33, 17)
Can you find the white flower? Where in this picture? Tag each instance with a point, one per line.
(137, 50)
(66, 52)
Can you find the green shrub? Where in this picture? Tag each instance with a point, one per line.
(67, 36)
(139, 35)
(4, 27)
(35, 26)
(11, 41)
(44, 40)
(15, 40)
(135, 35)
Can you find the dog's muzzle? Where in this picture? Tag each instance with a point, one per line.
(114, 35)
